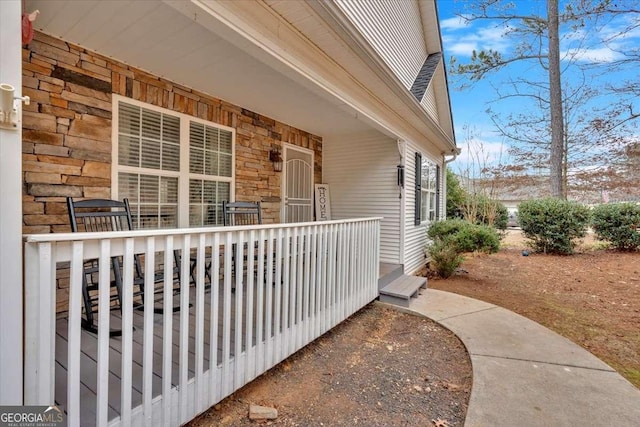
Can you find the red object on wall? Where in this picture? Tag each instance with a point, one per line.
(27, 29)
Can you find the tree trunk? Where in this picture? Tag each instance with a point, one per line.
(555, 86)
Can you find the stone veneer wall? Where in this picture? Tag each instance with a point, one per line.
(67, 131)
(67, 134)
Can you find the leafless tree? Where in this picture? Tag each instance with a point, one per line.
(560, 129)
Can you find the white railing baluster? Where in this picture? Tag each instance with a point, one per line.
(215, 385)
(294, 289)
(104, 300)
(249, 350)
(127, 333)
(261, 284)
(226, 315)
(286, 299)
(308, 268)
(270, 284)
(344, 258)
(199, 319)
(351, 271)
(324, 295)
(167, 335)
(317, 284)
(332, 278)
(184, 330)
(277, 312)
(299, 285)
(147, 341)
(74, 338)
(237, 352)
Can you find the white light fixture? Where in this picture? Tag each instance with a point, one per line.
(8, 112)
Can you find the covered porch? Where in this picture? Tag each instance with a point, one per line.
(244, 69)
(297, 282)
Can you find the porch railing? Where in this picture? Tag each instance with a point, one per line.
(290, 284)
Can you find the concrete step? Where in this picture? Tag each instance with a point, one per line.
(402, 289)
(388, 273)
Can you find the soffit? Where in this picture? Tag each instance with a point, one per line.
(164, 39)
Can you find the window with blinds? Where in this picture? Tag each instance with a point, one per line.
(175, 170)
(210, 158)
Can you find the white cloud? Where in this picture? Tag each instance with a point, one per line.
(462, 48)
(455, 23)
(481, 39)
(603, 54)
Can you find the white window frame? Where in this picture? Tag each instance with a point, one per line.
(427, 192)
(184, 174)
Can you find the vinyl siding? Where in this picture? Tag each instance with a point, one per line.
(394, 29)
(429, 102)
(416, 235)
(361, 172)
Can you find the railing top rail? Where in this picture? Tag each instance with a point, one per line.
(70, 237)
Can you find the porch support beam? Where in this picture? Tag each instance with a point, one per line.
(11, 331)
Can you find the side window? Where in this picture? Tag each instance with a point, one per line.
(427, 190)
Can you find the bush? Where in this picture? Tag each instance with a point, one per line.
(466, 237)
(445, 257)
(553, 224)
(481, 238)
(618, 223)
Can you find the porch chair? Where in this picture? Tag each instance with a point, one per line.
(99, 215)
(241, 213)
(233, 213)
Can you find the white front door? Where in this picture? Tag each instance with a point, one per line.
(297, 184)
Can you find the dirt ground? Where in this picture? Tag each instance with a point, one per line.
(591, 297)
(379, 368)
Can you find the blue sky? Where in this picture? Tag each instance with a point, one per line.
(469, 105)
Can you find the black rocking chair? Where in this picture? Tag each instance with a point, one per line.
(99, 215)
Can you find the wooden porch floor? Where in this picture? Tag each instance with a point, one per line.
(89, 351)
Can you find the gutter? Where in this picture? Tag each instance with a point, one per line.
(455, 153)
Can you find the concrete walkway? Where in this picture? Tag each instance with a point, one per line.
(526, 375)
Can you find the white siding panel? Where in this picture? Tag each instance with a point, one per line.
(429, 102)
(416, 235)
(394, 29)
(361, 172)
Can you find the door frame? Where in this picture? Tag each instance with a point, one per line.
(283, 183)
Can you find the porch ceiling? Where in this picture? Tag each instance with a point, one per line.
(158, 38)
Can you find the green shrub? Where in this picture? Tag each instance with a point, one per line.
(445, 258)
(553, 224)
(481, 238)
(466, 237)
(446, 228)
(618, 223)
